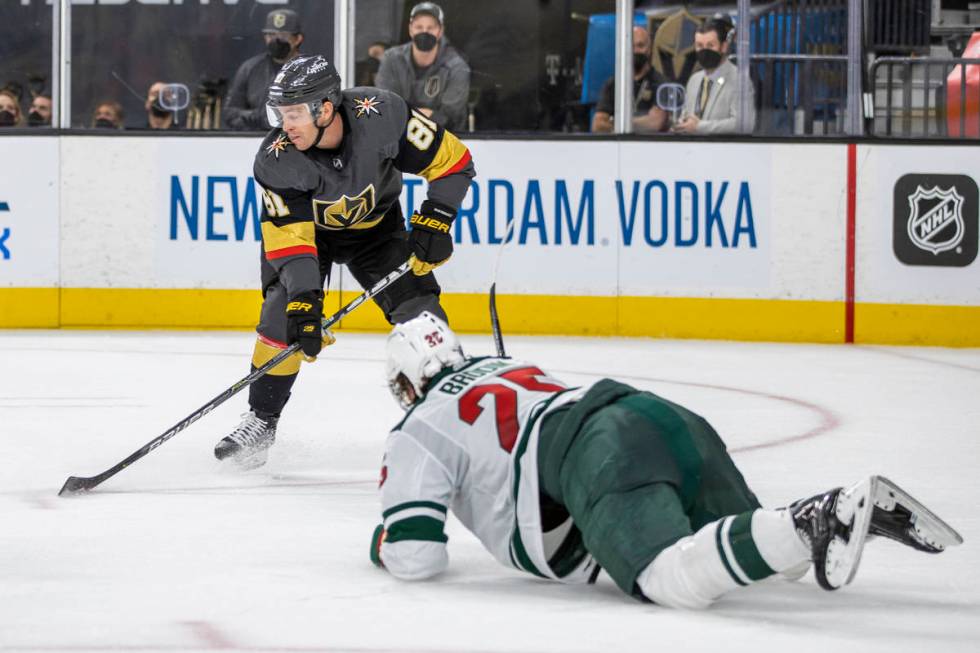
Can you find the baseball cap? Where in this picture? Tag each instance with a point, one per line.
(430, 8)
(282, 20)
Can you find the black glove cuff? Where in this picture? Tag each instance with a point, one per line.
(436, 210)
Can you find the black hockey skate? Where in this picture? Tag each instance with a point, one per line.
(835, 526)
(897, 515)
(248, 445)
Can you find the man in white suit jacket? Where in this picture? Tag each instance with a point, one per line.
(711, 101)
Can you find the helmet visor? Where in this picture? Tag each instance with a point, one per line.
(293, 115)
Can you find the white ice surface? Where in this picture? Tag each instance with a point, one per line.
(175, 554)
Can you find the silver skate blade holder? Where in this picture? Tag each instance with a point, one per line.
(843, 556)
(924, 526)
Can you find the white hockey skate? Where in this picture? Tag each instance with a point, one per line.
(248, 445)
(897, 515)
(836, 525)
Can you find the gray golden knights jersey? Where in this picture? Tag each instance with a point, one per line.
(470, 445)
(351, 194)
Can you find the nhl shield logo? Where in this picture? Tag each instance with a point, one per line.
(935, 221)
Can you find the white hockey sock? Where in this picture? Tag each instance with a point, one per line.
(777, 541)
(725, 554)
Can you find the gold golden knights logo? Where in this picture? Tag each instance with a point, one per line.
(347, 212)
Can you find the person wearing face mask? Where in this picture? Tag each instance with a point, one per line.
(428, 72)
(648, 118)
(244, 107)
(711, 100)
(40, 113)
(157, 116)
(10, 114)
(108, 115)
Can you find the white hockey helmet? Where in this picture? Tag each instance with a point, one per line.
(416, 351)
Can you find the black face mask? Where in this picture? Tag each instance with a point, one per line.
(158, 111)
(35, 119)
(640, 60)
(105, 123)
(278, 49)
(425, 41)
(709, 59)
(7, 119)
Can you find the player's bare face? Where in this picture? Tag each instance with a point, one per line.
(298, 124)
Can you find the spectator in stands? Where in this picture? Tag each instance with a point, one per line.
(245, 105)
(367, 70)
(108, 115)
(157, 116)
(428, 72)
(10, 113)
(648, 118)
(40, 113)
(711, 101)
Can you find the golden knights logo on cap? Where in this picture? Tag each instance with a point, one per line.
(279, 20)
(347, 212)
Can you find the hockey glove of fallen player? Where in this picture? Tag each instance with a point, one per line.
(377, 539)
(429, 239)
(303, 314)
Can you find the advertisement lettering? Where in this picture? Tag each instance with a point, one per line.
(214, 195)
(4, 235)
(672, 213)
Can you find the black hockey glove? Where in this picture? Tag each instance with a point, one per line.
(429, 239)
(303, 314)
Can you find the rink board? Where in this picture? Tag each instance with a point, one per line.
(663, 239)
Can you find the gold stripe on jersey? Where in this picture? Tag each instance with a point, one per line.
(295, 234)
(451, 152)
(263, 353)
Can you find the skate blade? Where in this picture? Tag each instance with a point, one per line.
(928, 526)
(246, 462)
(853, 507)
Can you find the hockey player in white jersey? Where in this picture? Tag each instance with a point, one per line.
(560, 482)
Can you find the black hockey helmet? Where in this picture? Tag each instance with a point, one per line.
(304, 80)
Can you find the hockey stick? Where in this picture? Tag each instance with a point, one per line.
(76, 484)
(498, 339)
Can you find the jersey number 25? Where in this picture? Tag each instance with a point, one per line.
(505, 402)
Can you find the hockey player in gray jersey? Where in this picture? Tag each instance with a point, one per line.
(560, 482)
(331, 172)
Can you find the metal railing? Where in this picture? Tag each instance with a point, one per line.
(924, 97)
(800, 94)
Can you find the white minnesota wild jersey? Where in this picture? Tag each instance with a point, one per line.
(470, 445)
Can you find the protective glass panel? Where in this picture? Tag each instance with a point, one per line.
(187, 65)
(25, 66)
(519, 66)
(799, 67)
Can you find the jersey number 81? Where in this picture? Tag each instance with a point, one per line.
(420, 131)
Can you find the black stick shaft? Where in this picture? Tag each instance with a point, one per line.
(498, 339)
(76, 484)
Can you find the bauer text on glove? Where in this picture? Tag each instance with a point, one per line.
(303, 314)
(430, 240)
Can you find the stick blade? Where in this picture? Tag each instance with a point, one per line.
(77, 485)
